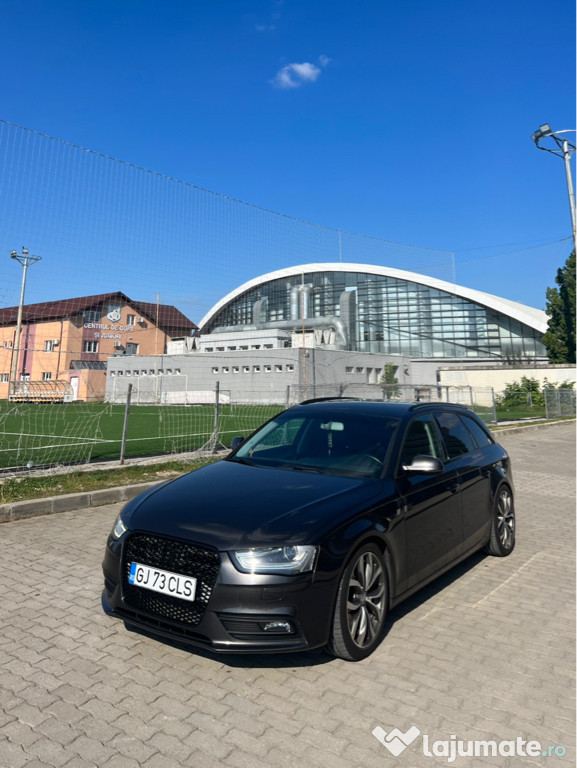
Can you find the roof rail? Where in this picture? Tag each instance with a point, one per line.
(328, 399)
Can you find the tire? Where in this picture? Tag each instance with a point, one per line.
(361, 606)
(502, 541)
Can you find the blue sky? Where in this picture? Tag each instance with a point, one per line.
(408, 121)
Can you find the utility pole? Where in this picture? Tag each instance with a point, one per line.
(25, 259)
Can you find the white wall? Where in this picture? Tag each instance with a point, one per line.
(498, 377)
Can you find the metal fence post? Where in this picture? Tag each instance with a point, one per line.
(494, 406)
(125, 427)
(214, 440)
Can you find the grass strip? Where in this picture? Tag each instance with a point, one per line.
(25, 488)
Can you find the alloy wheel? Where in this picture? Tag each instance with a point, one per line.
(505, 519)
(365, 599)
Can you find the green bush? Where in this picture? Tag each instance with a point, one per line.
(527, 394)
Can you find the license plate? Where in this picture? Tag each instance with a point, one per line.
(165, 582)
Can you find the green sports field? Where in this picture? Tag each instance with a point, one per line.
(47, 434)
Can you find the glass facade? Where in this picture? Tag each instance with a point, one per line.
(382, 314)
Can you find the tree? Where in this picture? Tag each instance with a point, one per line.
(560, 336)
(389, 382)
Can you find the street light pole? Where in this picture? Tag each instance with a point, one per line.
(25, 259)
(565, 149)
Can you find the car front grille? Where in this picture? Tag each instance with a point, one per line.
(179, 557)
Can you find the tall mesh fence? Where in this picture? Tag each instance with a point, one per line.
(130, 261)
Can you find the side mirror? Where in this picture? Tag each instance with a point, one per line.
(425, 465)
(236, 442)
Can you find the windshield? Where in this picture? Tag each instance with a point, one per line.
(350, 444)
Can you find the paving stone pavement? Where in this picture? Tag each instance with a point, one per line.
(484, 653)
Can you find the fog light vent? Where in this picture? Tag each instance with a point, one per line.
(278, 627)
(245, 626)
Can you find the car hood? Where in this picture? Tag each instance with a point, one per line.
(228, 504)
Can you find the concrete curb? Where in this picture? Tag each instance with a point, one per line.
(529, 427)
(51, 505)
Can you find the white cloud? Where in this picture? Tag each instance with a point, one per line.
(294, 75)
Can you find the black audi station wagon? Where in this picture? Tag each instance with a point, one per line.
(312, 529)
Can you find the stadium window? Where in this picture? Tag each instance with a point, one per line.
(46, 375)
(235, 369)
(231, 349)
(225, 369)
(90, 346)
(278, 368)
(92, 316)
(220, 349)
(246, 368)
(349, 369)
(120, 373)
(209, 349)
(244, 346)
(256, 368)
(268, 368)
(267, 346)
(49, 346)
(4, 377)
(290, 367)
(130, 319)
(169, 371)
(25, 377)
(215, 369)
(360, 370)
(131, 349)
(177, 371)
(112, 373)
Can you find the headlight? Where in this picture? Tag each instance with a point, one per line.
(282, 560)
(118, 529)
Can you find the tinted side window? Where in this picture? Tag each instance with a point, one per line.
(456, 436)
(479, 435)
(421, 438)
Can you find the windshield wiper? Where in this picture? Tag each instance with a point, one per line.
(301, 468)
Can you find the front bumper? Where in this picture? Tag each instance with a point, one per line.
(239, 608)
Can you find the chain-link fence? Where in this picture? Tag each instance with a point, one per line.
(172, 420)
(559, 403)
(481, 400)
